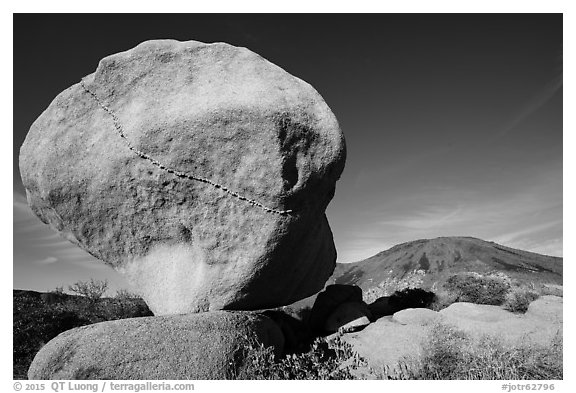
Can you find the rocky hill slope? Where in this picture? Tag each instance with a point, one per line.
(441, 257)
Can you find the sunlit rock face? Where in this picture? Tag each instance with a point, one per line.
(192, 346)
(201, 172)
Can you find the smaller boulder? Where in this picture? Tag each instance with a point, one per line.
(416, 316)
(385, 342)
(347, 317)
(211, 345)
(329, 300)
(476, 312)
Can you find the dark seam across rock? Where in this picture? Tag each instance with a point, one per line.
(176, 172)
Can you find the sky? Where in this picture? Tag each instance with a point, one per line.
(453, 122)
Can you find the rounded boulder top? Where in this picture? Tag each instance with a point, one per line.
(199, 171)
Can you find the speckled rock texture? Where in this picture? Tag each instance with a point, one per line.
(193, 346)
(199, 171)
(388, 340)
(416, 316)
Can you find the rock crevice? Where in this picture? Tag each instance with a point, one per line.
(120, 129)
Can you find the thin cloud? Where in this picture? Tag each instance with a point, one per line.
(47, 261)
(535, 103)
(515, 236)
(33, 240)
(527, 217)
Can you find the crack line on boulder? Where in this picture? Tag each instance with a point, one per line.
(166, 168)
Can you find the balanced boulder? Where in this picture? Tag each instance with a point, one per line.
(212, 345)
(201, 172)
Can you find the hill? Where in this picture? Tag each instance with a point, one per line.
(441, 257)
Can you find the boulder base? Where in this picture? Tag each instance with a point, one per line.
(195, 346)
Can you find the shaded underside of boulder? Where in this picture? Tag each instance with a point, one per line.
(210, 345)
(199, 171)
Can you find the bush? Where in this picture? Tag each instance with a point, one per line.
(326, 359)
(35, 321)
(443, 354)
(411, 298)
(443, 299)
(91, 290)
(124, 294)
(477, 288)
(518, 299)
(34, 324)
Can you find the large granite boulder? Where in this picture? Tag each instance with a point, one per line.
(211, 345)
(199, 171)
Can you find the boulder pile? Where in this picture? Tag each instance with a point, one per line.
(200, 172)
(393, 338)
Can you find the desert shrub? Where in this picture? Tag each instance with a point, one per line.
(35, 321)
(34, 324)
(518, 299)
(112, 309)
(58, 290)
(452, 354)
(91, 290)
(387, 287)
(411, 298)
(55, 296)
(443, 299)
(443, 353)
(326, 359)
(124, 294)
(478, 288)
